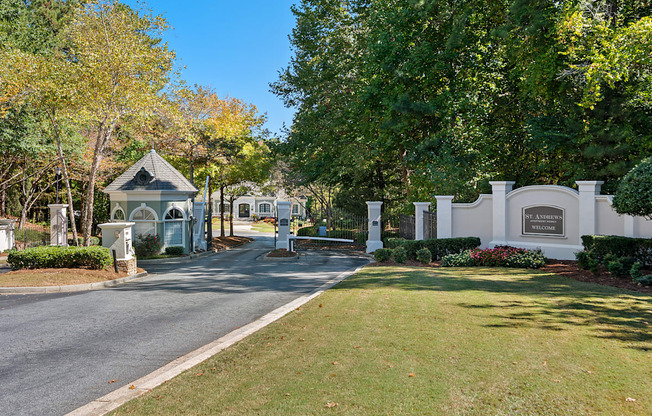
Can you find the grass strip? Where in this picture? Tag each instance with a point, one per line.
(401, 340)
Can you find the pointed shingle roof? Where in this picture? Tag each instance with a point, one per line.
(164, 177)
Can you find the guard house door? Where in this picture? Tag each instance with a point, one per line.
(243, 211)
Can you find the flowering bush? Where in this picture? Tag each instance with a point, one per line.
(501, 256)
(147, 245)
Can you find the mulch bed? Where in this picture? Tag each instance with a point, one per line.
(566, 268)
(223, 243)
(281, 253)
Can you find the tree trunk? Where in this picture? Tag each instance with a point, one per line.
(3, 200)
(222, 210)
(87, 216)
(66, 180)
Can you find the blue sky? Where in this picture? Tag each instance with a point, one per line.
(235, 47)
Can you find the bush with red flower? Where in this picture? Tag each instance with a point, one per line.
(500, 256)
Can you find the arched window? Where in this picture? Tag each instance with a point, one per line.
(173, 227)
(118, 214)
(264, 208)
(145, 219)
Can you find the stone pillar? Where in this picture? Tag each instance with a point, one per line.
(419, 208)
(283, 214)
(58, 225)
(444, 216)
(116, 236)
(588, 191)
(500, 189)
(374, 242)
(7, 234)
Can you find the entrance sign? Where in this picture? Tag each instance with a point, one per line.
(543, 220)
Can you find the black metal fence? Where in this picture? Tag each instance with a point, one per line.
(331, 223)
(429, 225)
(406, 227)
(31, 235)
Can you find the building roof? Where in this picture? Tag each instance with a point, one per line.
(152, 173)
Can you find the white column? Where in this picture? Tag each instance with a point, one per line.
(444, 216)
(7, 236)
(588, 191)
(283, 215)
(419, 208)
(629, 226)
(374, 242)
(117, 236)
(58, 225)
(500, 189)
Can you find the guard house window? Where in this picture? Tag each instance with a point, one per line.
(216, 207)
(118, 215)
(295, 209)
(264, 208)
(145, 220)
(173, 228)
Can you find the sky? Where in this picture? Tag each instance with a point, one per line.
(236, 47)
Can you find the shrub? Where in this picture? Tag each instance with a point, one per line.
(501, 256)
(174, 251)
(382, 254)
(55, 257)
(496, 256)
(599, 246)
(306, 232)
(635, 271)
(438, 247)
(645, 280)
(399, 254)
(634, 193)
(582, 258)
(527, 260)
(424, 256)
(147, 245)
(458, 260)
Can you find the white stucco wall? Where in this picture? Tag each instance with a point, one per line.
(608, 221)
(474, 220)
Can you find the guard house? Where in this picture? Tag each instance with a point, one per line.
(157, 198)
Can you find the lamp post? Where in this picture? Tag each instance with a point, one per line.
(57, 172)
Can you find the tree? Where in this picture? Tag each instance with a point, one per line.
(634, 194)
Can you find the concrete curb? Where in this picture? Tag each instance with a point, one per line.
(71, 288)
(187, 258)
(117, 398)
(266, 258)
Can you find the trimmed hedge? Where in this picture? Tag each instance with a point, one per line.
(600, 246)
(399, 255)
(382, 254)
(174, 251)
(55, 257)
(501, 256)
(439, 247)
(307, 232)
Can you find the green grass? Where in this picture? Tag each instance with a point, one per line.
(262, 227)
(474, 341)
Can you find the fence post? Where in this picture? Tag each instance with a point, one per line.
(588, 191)
(500, 189)
(444, 216)
(374, 242)
(58, 225)
(419, 208)
(283, 212)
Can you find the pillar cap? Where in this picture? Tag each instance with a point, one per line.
(421, 204)
(58, 206)
(284, 203)
(444, 197)
(492, 183)
(374, 203)
(116, 225)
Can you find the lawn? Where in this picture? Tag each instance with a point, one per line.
(262, 227)
(404, 340)
(56, 277)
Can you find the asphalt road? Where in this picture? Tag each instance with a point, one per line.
(61, 351)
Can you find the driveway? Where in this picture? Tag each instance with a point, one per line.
(61, 351)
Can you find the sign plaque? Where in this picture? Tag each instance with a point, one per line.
(284, 222)
(543, 220)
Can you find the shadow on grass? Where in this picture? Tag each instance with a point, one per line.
(549, 302)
